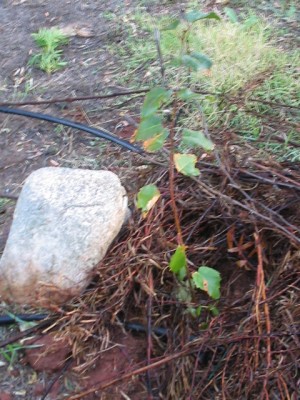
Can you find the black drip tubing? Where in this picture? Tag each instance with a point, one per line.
(129, 326)
(75, 125)
(7, 319)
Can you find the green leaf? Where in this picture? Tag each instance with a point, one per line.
(185, 163)
(147, 197)
(187, 94)
(196, 61)
(154, 99)
(190, 62)
(198, 311)
(183, 292)
(194, 16)
(231, 14)
(156, 143)
(149, 127)
(214, 310)
(23, 325)
(205, 62)
(250, 22)
(208, 279)
(178, 262)
(173, 25)
(50, 39)
(196, 139)
(195, 312)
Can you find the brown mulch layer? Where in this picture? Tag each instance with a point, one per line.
(241, 217)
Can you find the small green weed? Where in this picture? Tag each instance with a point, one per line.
(3, 202)
(11, 351)
(49, 59)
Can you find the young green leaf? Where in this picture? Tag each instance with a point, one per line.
(203, 60)
(196, 139)
(187, 94)
(208, 279)
(231, 14)
(195, 312)
(149, 127)
(172, 25)
(183, 292)
(185, 163)
(214, 310)
(194, 16)
(153, 101)
(23, 325)
(147, 197)
(196, 61)
(156, 143)
(178, 262)
(190, 62)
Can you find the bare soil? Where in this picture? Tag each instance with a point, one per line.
(28, 144)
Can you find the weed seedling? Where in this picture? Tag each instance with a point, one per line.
(49, 40)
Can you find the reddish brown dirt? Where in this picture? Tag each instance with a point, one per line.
(5, 396)
(124, 352)
(48, 354)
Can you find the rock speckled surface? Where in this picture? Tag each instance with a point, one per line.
(63, 224)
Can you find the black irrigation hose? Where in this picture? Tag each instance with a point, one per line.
(139, 328)
(75, 125)
(129, 326)
(7, 319)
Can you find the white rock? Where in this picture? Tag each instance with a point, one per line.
(63, 224)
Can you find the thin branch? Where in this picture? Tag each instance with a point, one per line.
(160, 57)
(287, 232)
(73, 99)
(60, 374)
(8, 196)
(141, 92)
(192, 347)
(171, 177)
(149, 335)
(27, 332)
(289, 227)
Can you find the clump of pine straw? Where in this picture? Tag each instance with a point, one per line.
(240, 217)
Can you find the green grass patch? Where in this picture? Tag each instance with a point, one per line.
(247, 63)
(50, 57)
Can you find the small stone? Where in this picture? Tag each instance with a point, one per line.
(38, 389)
(64, 222)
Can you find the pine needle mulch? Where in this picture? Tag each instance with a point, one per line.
(241, 217)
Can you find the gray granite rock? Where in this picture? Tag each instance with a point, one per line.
(63, 224)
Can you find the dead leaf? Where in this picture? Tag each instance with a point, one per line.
(68, 30)
(84, 32)
(243, 264)
(54, 163)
